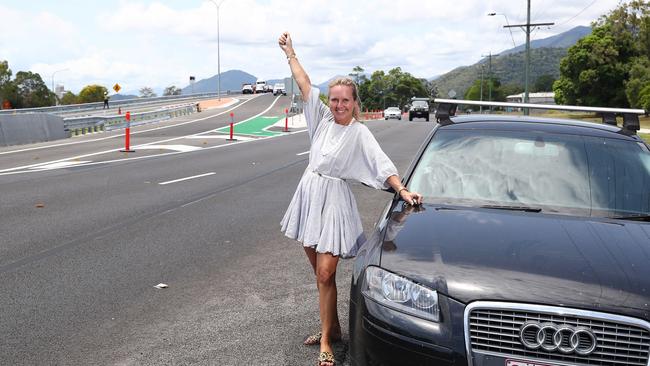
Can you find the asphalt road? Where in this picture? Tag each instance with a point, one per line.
(82, 247)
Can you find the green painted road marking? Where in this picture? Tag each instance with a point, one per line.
(254, 127)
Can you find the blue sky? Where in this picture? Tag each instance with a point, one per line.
(161, 43)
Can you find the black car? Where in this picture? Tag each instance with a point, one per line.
(419, 108)
(532, 249)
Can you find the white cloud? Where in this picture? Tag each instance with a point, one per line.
(155, 43)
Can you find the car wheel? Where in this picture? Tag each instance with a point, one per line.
(427, 118)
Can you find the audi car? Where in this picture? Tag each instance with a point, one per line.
(532, 248)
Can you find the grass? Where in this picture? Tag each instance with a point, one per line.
(645, 136)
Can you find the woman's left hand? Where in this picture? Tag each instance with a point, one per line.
(412, 198)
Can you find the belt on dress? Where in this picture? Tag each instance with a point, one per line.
(324, 175)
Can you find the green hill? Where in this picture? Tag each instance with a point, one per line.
(509, 69)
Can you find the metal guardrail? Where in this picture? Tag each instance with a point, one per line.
(82, 125)
(118, 103)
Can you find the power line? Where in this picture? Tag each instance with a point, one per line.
(575, 16)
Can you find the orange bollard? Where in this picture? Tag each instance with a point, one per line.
(286, 120)
(232, 127)
(127, 134)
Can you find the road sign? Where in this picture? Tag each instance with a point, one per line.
(117, 87)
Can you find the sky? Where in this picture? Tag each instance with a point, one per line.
(159, 43)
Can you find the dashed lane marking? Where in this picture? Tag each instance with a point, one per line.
(186, 178)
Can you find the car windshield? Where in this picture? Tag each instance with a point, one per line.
(569, 174)
(420, 104)
(392, 109)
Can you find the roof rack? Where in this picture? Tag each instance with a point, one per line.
(447, 109)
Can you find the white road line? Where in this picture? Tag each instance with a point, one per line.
(18, 171)
(59, 165)
(303, 153)
(187, 178)
(121, 134)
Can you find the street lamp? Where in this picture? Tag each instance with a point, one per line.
(56, 102)
(508, 23)
(218, 4)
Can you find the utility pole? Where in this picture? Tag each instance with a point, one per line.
(489, 77)
(526, 28)
(480, 107)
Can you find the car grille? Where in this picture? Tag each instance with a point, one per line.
(619, 340)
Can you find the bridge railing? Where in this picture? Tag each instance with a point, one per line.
(117, 103)
(82, 125)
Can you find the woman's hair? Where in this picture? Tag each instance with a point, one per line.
(347, 81)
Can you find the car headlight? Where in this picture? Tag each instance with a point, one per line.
(401, 294)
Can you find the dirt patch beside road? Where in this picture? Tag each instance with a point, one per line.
(214, 103)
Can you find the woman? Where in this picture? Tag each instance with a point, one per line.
(323, 213)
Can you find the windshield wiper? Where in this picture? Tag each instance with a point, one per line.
(633, 217)
(514, 208)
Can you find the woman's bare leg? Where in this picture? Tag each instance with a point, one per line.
(326, 278)
(311, 255)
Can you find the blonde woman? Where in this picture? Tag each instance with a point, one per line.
(323, 213)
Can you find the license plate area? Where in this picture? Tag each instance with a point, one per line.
(524, 363)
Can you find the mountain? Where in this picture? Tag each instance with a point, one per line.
(562, 40)
(508, 66)
(116, 97)
(230, 80)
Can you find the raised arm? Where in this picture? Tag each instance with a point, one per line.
(296, 69)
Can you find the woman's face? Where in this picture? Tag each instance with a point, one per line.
(342, 103)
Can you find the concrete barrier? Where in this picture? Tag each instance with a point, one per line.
(30, 128)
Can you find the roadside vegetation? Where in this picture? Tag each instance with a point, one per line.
(611, 66)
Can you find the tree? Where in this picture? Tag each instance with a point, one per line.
(69, 98)
(544, 83)
(32, 91)
(147, 92)
(596, 69)
(92, 93)
(644, 98)
(639, 78)
(474, 91)
(172, 90)
(8, 90)
(356, 74)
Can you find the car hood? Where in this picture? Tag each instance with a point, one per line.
(486, 254)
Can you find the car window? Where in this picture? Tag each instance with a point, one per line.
(560, 173)
(420, 103)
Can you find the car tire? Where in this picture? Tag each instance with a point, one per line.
(427, 118)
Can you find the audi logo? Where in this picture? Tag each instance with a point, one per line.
(551, 337)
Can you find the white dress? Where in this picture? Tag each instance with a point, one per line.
(323, 212)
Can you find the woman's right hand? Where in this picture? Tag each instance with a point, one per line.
(286, 44)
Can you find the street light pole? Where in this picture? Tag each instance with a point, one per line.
(56, 102)
(218, 51)
(508, 23)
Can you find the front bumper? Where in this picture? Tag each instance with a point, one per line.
(381, 336)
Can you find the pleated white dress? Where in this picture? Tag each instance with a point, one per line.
(323, 213)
